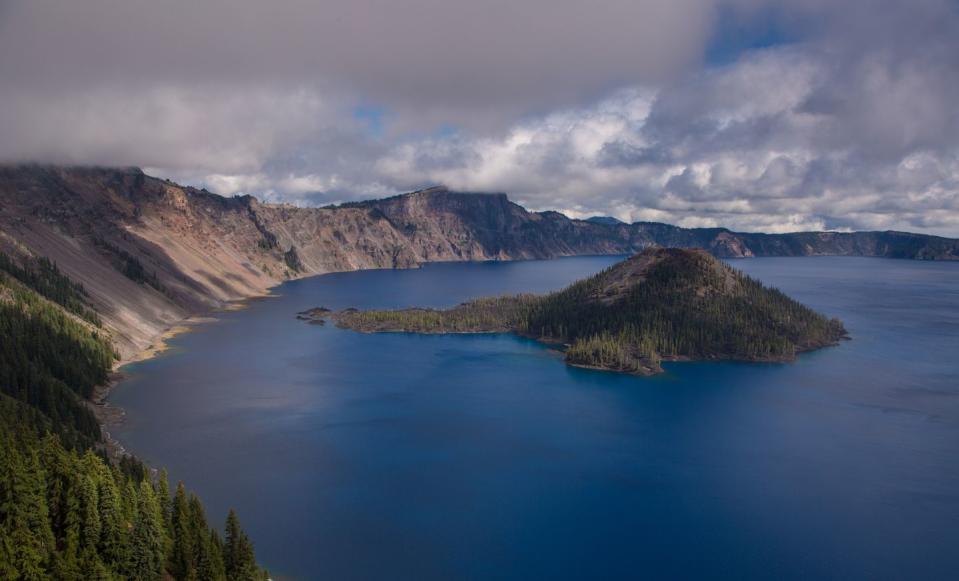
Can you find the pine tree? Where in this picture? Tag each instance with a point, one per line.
(146, 562)
(217, 566)
(238, 554)
(164, 512)
(200, 540)
(112, 544)
(89, 503)
(182, 556)
(28, 540)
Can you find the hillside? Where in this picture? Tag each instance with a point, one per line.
(67, 510)
(150, 252)
(663, 303)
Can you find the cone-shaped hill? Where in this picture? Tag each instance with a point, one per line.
(663, 303)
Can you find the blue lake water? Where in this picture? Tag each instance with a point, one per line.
(352, 456)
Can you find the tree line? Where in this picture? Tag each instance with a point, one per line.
(484, 315)
(43, 276)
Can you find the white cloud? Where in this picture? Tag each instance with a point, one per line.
(745, 146)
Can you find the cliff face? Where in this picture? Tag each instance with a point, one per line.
(151, 252)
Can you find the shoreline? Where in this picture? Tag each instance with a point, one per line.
(111, 417)
(560, 345)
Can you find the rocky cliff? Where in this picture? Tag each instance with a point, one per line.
(151, 252)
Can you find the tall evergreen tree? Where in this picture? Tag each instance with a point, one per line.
(146, 551)
(200, 540)
(27, 544)
(164, 510)
(182, 555)
(238, 552)
(217, 567)
(112, 545)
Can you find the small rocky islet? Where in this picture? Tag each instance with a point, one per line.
(314, 316)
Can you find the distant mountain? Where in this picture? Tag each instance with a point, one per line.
(671, 303)
(150, 252)
(605, 220)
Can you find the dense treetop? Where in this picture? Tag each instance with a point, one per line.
(51, 360)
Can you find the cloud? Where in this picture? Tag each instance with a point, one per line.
(205, 127)
(842, 118)
(427, 58)
(736, 146)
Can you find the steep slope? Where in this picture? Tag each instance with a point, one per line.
(66, 511)
(150, 252)
(678, 304)
(661, 303)
(51, 359)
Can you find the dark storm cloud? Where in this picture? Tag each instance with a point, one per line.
(441, 53)
(243, 86)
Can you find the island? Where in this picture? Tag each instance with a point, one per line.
(314, 316)
(669, 304)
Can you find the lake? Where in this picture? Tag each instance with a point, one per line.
(396, 456)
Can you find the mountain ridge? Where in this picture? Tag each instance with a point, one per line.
(151, 252)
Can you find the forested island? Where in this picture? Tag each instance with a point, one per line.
(661, 304)
(69, 510)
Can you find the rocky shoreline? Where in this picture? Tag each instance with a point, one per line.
(111, 417)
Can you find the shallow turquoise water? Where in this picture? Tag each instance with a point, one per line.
(355, 456)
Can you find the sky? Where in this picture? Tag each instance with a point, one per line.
(756, 115)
